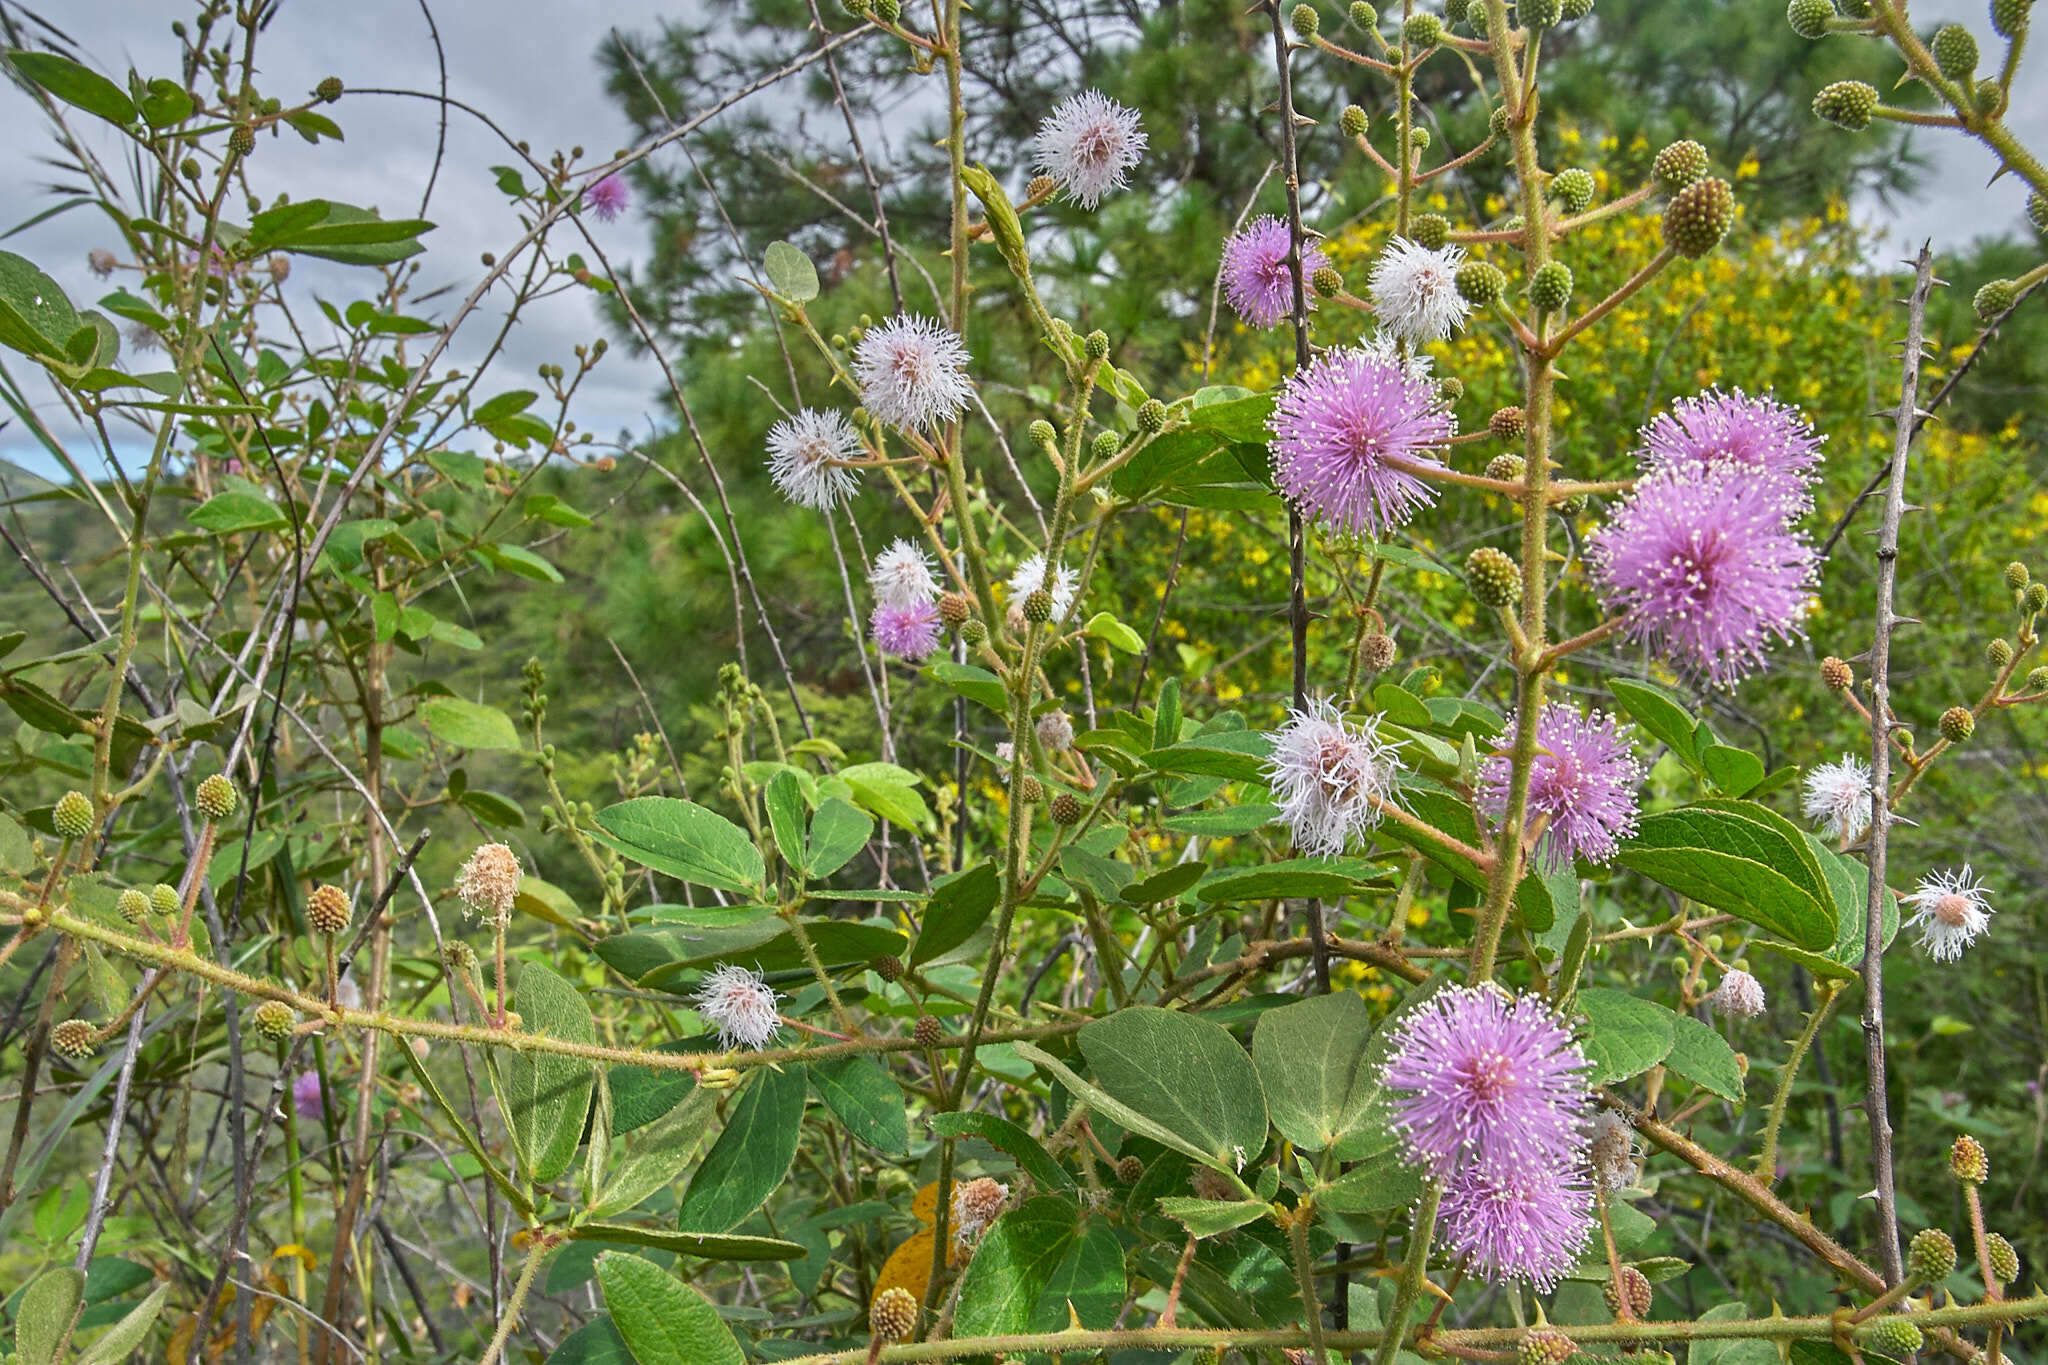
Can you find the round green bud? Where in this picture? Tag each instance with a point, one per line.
(890, 10)
(1480, 283)
(1931, 1256)
(2009, 17)
(2017, 576)
(1152, 415)
(1632, 1291)
(1422, 30)
(1508, 468)
(975, 632)
(1966, 1159)
(2037, 679)
(1955, 51)
(163, 899)
(1994, 299)
(1042, 433)
(1809, 18)
(189, 168)
(1364, 15)
(1454, 11)
(1327, 280)
(1418, 138)
(1497, 121)
(1353, 121)
(1431, 230)
(927, 1031)
(1451, 387)
(1550, 289)
(1891, 1335)
(1508, 424)
(241, 139)
(329, 90)
(1574, 189)
(1957, 724)
(1378, 652)
(1545, 1345)
(74, 1039)
(1130, 1170)
(1699, 216)
(888, 966)
(1029, 790)
(217, 797)
(1306, 21)
(1988, 96)
(2037, 211)
(859, 9)
(1106, 445)
(275, 1020)
(1846, 104)
(1539, 13)
(1475, 19)
(133, 905)
(1515, 223)
(1038, 605)
(2035, 598)
(1065, 809)
(2000, 1259)
(72, 815)
(1998, 653)
(1679, 164)
(1577, 9)
(1493, 577)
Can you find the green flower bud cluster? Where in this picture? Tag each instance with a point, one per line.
(1699, 216)
(1493, 577)
(1846, 104)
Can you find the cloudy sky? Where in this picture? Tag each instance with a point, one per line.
(531, 65)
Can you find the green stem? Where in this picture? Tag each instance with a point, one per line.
(1305, 1276)
(1767, 1154)
(516, 1302)
(1421, 1232)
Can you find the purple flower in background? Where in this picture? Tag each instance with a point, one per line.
(908, 632)
(1705, 568)
(1516, 1225)
(1087, 143)
(607, 197)
(308, 1096)
(1336, 428)
(1759, 438)
(1584, 778)
(1492, 1082)
(1256, 280)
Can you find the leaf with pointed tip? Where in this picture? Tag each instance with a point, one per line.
(664, 1321)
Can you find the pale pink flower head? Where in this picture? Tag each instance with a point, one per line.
(1339, 424)
(740, 1005)
(976, 1205)
(1838, 799)
(309, 1096)
(1030, 575)
(1330, 776)
(607, 196)
(902, 576)
(100, 261)
(804, 458)
(1524, 1226)
(1490, 1081)
(1584, 780)
(1087, 144)
(1757, 438)
(1256, 279)
(907, 632)
(1706, 569)
(1611, 1151)
(489, 882)
(1415, 291)
(1739, 996)
(1950, 910)
(912, 372)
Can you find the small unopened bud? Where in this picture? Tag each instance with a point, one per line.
(1809, 18)
(1097, 344)
(2037, 211)
(1378, 652)
(1957, 724)
(1699, 216)
(1130, 1170)
(974, 632)
(1955, 51)
(1679, 164)
(1328, 281)
(1042, 434)
(953, 610)
(1998, 653)
(1038, 605)
(1508, 468)
(1451, 387)
(1989, 96)
(1306, 21)
(1891, 1335)
(1539, 13)
(133, 905)
(1152, 414)
(189, 168)
(327, 910)
(1106, 445)
(163, 899)
(1846, 104)
(74, 1038)
(1480, 283)
(1967, 1162)
(1364, 15)
(1493, 577)
(2037, 679)
(329, 89)
(893, 1314)
(1353, 121)
(2000, 1259)
(1422, 30)
(275, 1020)
(1545, 1345)
(1418, 138)
(1508, 424)
(1455, 11)
(889, 10)
(888, 966)
(1631, 1291)
(927, 1031)
(2009, 17)
(1837, 675)
(1431, 230)
(1066, 809)
(217, 797)
(242, 139)
(1550, 289)
(72, 815)
(1030, 790)
(2017, 577)
(1995, 298)
(1931, 1256)
(1574, 188)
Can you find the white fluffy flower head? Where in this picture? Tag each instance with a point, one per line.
(1415, 291)
(1739, 996)
(1056, 731)
(1384, 345)
(741, 1006)
(1949, 912)
(1029, 577)
(1329, 776)
(902, 576)
(1838, 799)
(912, 372)
(802, 451)
(1087, 144)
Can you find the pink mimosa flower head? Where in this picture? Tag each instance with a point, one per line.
(1339, 427)
(1256, 279)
